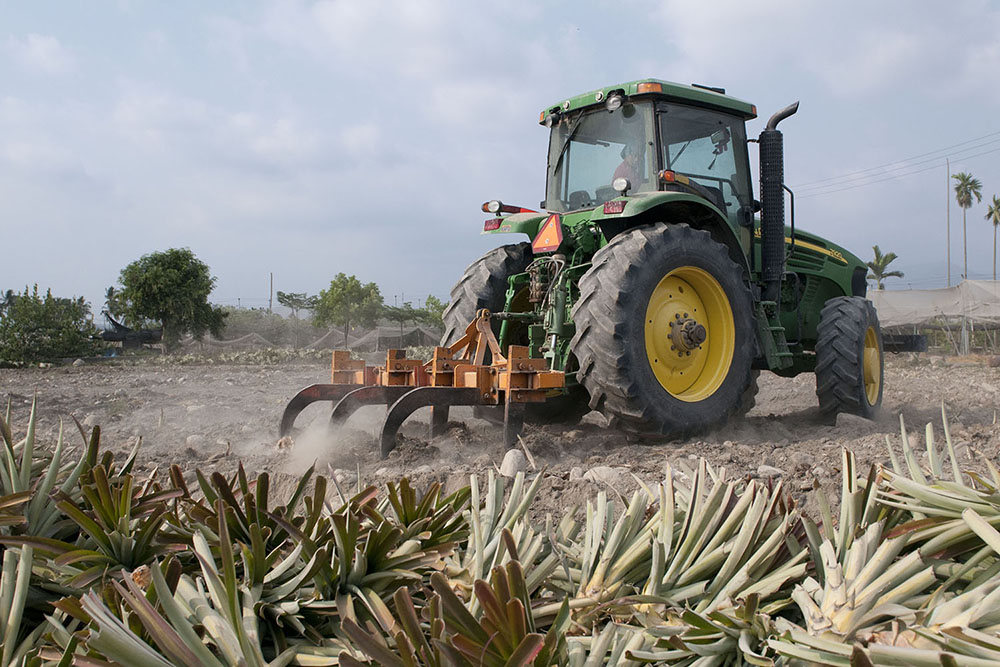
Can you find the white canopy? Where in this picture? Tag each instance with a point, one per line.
(977, 300)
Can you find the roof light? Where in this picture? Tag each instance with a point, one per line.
(549, 236)
(621, 184)
(614, 101)
(649, 88)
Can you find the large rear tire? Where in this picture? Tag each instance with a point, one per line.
(849, 358)
(665, 334)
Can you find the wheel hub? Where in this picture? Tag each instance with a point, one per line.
(686, 334)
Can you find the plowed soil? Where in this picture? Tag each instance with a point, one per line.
(213, 416)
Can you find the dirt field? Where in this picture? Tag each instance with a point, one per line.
(214, 415)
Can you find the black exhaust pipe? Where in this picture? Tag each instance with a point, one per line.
(772, 199)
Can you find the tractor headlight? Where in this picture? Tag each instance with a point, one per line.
(621, 185)
(493, 206)
(614, 102)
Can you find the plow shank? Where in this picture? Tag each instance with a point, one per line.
(439, 398)
(308, 396)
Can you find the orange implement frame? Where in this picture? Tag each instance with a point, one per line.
(521, 378)
(456, 375)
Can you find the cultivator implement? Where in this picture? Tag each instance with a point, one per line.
(456, 375)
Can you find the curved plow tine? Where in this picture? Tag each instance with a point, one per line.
(439, 398)
(309, 395)
(353, 401)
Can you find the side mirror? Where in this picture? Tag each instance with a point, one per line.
(720, 138)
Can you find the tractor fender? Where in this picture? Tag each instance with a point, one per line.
(519, 223)
(670, 207)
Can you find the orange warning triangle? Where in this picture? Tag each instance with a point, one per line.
(549, 236)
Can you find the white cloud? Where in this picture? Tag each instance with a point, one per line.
(361, 140)
(41, 54)
(852, 51)
(864, 62)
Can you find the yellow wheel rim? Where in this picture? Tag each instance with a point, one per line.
(872, 366)
(689, 368)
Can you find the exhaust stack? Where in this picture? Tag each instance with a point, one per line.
(772, 196)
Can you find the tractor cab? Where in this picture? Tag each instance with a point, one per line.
(608, 144)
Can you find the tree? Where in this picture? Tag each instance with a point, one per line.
(7, 301)
(36, 328)
(170, 288)
(966, 187)
(404, 314)
(296, 301)
(879, 265)
(434, 307)
(993, 217)
(112, 302)
(347, 302)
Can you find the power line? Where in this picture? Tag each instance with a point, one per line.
(854, 179)
(819, 193)
(900, 162)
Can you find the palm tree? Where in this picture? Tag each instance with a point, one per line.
(993, 217)
(7, 300)
(966, 188)
(879, 265)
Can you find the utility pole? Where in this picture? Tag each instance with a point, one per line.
(947, 202)
(270, 295)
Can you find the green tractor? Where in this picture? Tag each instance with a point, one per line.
(650, 279)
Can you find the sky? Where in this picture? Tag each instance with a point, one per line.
(303, 139)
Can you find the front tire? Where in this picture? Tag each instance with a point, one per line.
(665, 333)
(849, 358)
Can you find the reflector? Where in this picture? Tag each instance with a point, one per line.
(492, 224)
(549, 236)
(614, 206)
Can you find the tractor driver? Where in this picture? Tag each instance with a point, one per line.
(631, 166)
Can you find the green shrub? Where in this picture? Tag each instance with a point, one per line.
(37, 328)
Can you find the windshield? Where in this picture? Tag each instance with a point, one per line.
(589, 151)
(710, 149)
